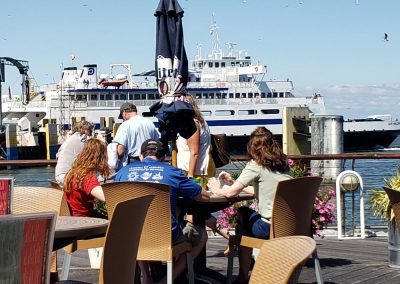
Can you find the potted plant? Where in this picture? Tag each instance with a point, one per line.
(380, 206)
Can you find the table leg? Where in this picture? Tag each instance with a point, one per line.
(200, 262)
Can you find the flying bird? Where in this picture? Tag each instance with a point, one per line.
(386, 37)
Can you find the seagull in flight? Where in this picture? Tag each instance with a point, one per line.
(386, 37)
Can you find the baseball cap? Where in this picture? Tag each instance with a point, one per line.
(126, 106)
(153, 146)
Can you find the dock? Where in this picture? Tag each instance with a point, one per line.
(342, 261)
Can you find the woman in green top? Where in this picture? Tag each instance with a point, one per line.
(268, 165)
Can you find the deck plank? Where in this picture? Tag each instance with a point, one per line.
(342, 261)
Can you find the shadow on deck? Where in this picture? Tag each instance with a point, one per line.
(342, 261)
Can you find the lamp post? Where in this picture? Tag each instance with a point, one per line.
(349, 181)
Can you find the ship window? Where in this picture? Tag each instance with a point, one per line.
(247, 112)
(210, 64)
(274, 94)
(131, 97)
(263, 95)
(224, 112)
(237, 95)
(198, 95)
(201, 64)
(233, 64)
(116, 97)
(244, 95)
(269, 95)
(108, 97)
(93, 97)
(205, 96)
(157, 96)
(211, 96)
(136, 97)
(206, 112)
(122, 97)
(223, 64)
(79, 97)
(270, 111)
(197, 79)
(257, 95)
(101, 97)
(143, 97)
(224, 95)
(250, 95)
(231, 95)
(151, 96)
(281, 94)
(237, 63)
(216, 64)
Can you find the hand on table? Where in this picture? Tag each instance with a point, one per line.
(214, 185)
(226, 177)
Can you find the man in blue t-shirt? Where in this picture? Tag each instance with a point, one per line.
(150, 168)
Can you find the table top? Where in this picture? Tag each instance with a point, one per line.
(79, 227)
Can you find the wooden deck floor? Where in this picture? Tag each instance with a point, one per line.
(344, 261)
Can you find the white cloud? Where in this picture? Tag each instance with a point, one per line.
(359, 101)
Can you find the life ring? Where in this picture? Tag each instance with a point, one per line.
(256, 69)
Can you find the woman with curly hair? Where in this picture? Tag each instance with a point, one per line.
(268, 165)
(81, 185)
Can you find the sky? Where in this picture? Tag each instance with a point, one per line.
(333, 47)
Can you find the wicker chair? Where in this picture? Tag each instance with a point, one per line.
(280, 260)
(156, 241)
(34, 199)
(122, 241)
(27, 242)
(291, 215)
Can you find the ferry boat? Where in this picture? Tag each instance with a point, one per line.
(230, 90)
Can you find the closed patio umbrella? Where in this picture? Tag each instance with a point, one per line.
(172, 75)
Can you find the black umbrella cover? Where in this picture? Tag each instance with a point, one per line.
(171, 59)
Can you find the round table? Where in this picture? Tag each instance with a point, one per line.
(69, 229)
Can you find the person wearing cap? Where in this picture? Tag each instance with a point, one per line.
(151, 168)
(133, 131)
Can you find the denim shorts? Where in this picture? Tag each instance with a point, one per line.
(253, 225)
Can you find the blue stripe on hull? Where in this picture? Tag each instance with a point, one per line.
(244, 122)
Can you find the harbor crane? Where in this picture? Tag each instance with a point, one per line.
(23, 68)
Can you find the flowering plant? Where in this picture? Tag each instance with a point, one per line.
(227, 217)
(323, 211)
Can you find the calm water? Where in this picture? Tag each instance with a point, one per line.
(371, 171)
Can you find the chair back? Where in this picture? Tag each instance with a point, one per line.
(26, 245)
(28, 199)
(394, 198)
(6, 191)
(280, 260)
(156, 239)
(122, 240)
(293, 205)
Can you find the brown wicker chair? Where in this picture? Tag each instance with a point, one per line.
(34, 199)
(27, 242)
(291, 215)
(156, 241)
(122, 241)
(394, 198)
(280, 260)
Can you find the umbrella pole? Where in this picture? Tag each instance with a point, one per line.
(174, 153)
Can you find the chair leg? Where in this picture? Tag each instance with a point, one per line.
(230, 266)
(169, 272)
(65, 266)
(189, 263)
(317, 267)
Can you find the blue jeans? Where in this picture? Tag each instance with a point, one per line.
(253, 225)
